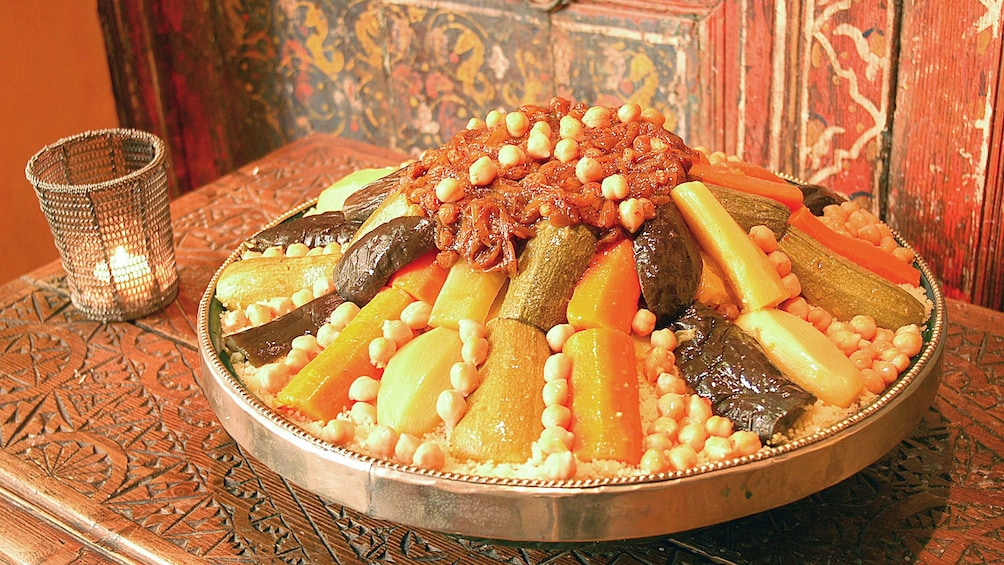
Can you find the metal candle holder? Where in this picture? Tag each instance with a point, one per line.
(104, 194)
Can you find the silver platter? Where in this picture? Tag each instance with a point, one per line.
(569, 511)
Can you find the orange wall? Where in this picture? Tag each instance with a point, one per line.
(55, 83)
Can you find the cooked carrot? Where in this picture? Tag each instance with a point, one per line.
(321, 389)
(787, 194)
(607, 294)
(868, 256)
(750, 170)
(606, 420)
(422, 278)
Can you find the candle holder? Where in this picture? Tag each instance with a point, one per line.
(104, 194)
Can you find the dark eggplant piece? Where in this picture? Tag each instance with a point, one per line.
(360, 204)
(267, 342)
(317, 230)
(368, 263)
(816, 197)
(668, 262)
(728, 367)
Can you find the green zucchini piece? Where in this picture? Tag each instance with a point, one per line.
(550, 265)
(845, 289)
(750, 210)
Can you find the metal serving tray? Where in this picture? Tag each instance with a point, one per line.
(569, 511)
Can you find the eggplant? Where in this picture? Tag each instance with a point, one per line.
(816, 197)
(360, 204)
(267, 342)
(727, 366)
(368, 263)
(668, 262)
(316, 230)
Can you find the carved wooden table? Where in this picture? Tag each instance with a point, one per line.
(111, 453)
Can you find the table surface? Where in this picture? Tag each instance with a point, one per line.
(111, 452)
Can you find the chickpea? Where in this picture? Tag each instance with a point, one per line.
(718, 426)
(631, 214)
(672, 405)
(653, 116)
(698, 409)
(538, 145)
(556, 415)
(429, 455)
(744, 443)
(272, 376)
(666, 426)
(682, 457)
(471, 329)
(557, 367)
(658, 442)
(764, 238)
(792, 284)
(295, 360)
(614, 187)
(494, 118)
(555, 392)
(643, 322)
(629, 112)
(476, 123)
(559, 466)
(517, 124)
(668, 383)
(450, 190)
(464, 377)
(588, 169)
(381, 350)
(558, 335)
(338, 431)
(596, 117)
(258, 314)
(655, 461)
(475, 350)
(363, 413)
(555, 439)
(451, 406)
(416, 314)
(404, 450)
(382, 441)
(566, 150)
(364, 389)
(511, 155)
(301, 297)
(780, 261)
(482, 172)
(570, 128)
(397, 331)
(297, 250)
(664, 338)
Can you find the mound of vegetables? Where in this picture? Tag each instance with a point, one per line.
(514, 296)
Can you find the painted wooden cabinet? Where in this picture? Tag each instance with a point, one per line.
(893, 103)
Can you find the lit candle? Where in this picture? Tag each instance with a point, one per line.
(131, 274)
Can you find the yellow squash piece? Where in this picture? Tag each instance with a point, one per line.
(333, 197)
(503, 414)
(467, 293)
(804, 355)
(262, 278)
(752, 278)
(321, 389)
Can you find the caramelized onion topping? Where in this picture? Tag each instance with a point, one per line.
(485, 225)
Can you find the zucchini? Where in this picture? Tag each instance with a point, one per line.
(467, 293)
(750, 210)
(845, 289)
(503, 414)
(550, 265)
(261, 278)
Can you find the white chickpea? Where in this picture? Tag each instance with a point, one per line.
(382, 440)
(471, 329)
(596, 117)
(363, 413)
(682, 457)
(483, 171)
(302, 296)
(538, 145)
(670, 383)
(397, 331)
(464, 377)
(494, 118)
(333, 247)
(511, 156)
(343, 314)
(416, 314)
(325, 335)
(555, 392)
(542, 128)
(476, 123)
(474, 350)
(404, 450)
(570, 128)
(308, 344)
(258, 314)
(718, 426)
(364, 389)
(693, 435)
(556, 415)
(629, 112)
(297, 250)
(672, 406)
(451, 406)
(559, 466)
(274, 251)
(449, 189)
(657, 362)
(614, 187)
(429, 455)
(558, 366)
(717, 448)
(338, 431)
(664, 425)
(295, 360)
(643, 322)
(658, 441)
(588, 169)
(653, 116)
(272, 377)
(322, 286)
(517, 123)
(233, 321)
(664, 338)
(555, 439)
(631, 214)
(558, 335)
(655, 461)
(744, 443)
(281, 305)
(381, 350)
(566, 150)
(699, 409)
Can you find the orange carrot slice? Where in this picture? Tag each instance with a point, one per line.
(422, 278)
(868, 256)
(321, 389)
(606, 420)
(788, 194)
(750, 170)
(607, 294)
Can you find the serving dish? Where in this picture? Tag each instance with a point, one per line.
(576, 510)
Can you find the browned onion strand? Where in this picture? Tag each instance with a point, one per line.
(483, 226)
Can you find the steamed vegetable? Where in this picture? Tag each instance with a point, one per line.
(607, 294)
(805, 355)
(360, 204)
(606, 419)
(316, 230)
(750, 210)
(503, 414)
(466, 293)
(845, 289)
(267, 342)
(754, 281)
(333, 197)
(320, 390)
(262, 278)
(549, 267)
(728, 367)
(783, 192)
(369, 262)
(414, 378)
(668, 262)
(423, 278)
